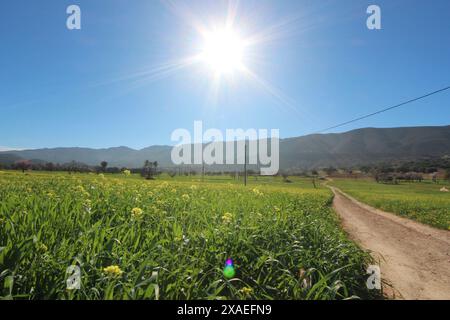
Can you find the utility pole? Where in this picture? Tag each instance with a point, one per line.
(245, 164)
(203, 171)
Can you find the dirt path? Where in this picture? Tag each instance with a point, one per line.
(414, 258)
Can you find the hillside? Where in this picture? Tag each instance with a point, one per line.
(356, 147)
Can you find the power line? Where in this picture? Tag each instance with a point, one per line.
(384, 110)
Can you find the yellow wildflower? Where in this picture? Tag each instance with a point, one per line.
(81, 190)
(227, 217)
(42, 248)
(163, 185)
(185, 197)
(257, 192)
(127, 172)
(113, 271)
(246, 291)
(136, 213)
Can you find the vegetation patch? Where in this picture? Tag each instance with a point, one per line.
(425, 202)
(152, 239)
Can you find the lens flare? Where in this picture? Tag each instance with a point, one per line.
(229, 271)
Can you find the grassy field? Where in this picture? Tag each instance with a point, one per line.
(170, 239)
(423, 201)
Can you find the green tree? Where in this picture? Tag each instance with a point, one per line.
(149, 169)
(104, 164)
(23, 165)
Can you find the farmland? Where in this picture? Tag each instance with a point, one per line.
(423, 202)
(169, 239)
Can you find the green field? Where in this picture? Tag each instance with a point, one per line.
(169, 239)
(423, 201)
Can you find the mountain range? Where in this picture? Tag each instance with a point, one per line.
(353, 148)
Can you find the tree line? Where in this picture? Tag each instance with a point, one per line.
(386, 172)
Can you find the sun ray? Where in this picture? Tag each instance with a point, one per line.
(155, 72)
(185, 13)
(144, 78)
(278, 95)
(214, 90)
(293, 25)
(233, 7)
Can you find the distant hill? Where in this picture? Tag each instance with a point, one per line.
(365, 146)
(8, 158)
(357, 147)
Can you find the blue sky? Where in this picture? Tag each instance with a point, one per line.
(61, 88)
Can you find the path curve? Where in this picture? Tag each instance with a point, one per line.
(414, 258)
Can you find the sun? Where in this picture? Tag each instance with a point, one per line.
(223, 51)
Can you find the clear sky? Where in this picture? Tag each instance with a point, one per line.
(122, 80)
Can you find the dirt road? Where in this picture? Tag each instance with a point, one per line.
(414, 258)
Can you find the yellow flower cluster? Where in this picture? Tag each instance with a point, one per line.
(136, 213)
(87, 205)
(42, 248)
(81, 190)
(257, 192)
(185, 197)
(127, 172)
(112, 271)
(227, 217)
(165, 184)
(246, 291)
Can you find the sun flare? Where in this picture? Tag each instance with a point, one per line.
(223, 51)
